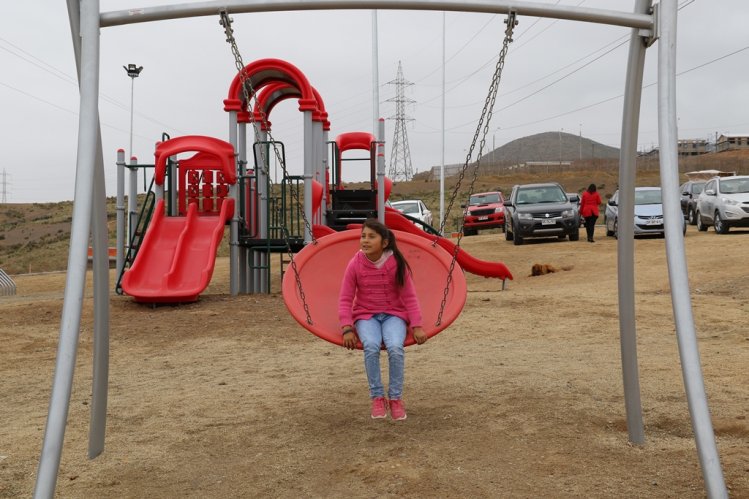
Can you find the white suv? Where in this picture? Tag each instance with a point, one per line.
(724, 203)
(414, 208)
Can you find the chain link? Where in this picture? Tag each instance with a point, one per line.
(246, 84)
(486, 113)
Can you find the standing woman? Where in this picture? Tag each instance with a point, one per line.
(589, 210)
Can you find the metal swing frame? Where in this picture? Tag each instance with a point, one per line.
(89, 208)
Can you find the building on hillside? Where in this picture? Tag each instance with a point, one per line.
(732, 142)
(692, 147)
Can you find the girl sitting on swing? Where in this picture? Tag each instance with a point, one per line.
(377, 302)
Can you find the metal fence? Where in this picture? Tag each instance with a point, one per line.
(7, 285)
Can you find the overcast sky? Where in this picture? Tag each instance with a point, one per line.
(559, 75)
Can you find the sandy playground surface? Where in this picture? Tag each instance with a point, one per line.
(521, 397)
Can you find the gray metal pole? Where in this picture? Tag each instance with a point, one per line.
(234, 286)
(241, 149)
(375, 77)
(381, 170)
(173, 199)
(309, 168)
(132, 200)
(320, 166)
(100, 380)
(54, 434)
(676, 258)
(442, 134)
(263, 173)
(120, 210)
(99, 392)
(325, 173)
(625, 243)
(522, 8)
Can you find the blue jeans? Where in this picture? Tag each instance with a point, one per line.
(373, 332)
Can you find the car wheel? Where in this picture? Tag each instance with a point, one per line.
(508, 234)
(721, 227)
(517, 240)
(691, 217)
(575, 236)
(700, 223)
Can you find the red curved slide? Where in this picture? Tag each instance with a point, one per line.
(175, 262)
(395, 220)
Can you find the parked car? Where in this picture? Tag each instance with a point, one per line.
(540, 210)
(724, 203)
(485, 210)
(575, 199)
(414, 208)
(648, 213)
(690, 191)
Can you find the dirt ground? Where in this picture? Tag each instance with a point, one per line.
(521, 397)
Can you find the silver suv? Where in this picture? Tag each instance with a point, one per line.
(724, 203)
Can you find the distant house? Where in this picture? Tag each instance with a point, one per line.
(732, 141)
(692, 147)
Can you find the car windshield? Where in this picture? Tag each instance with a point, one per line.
(650, 196)
(534, 195)
(484, 199)
(407, 208)
(734, 186)
(697, 187)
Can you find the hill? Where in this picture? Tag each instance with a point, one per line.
(551, 146)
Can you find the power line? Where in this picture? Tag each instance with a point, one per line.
(62, 75)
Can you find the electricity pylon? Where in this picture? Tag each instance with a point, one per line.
(400, 154)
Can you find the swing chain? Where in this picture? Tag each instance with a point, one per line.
(487, 113)
(245, 82)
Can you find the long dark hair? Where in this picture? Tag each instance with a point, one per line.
(389, 236)
(592, 188)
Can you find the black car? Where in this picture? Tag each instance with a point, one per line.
(690, 191)
(540, 210)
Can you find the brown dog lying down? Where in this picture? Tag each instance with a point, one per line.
(544, 268)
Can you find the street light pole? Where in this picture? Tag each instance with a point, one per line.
(133, 72)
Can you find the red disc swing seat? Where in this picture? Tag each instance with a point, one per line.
(321, 266)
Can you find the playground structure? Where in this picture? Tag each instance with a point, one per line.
(86, 21)
(173, 242)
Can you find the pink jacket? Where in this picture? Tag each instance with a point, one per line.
(367, 290)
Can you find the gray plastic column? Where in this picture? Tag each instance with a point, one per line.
(325, 173)
(240, 193)
(54, 434)
(132, 199)
(676, 257)
(120, 207)
(173, 208)
(309, 171)
(381, 170)
(625, 243)
(234, 224)
(319, 166)
(262, 207)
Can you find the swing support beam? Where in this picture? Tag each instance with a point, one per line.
(533, 9)
(85, 21)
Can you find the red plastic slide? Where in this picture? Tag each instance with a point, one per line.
(395, 220)
(175, 262)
